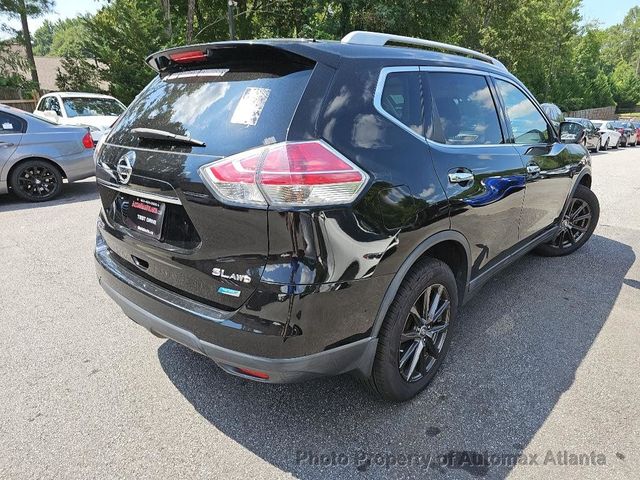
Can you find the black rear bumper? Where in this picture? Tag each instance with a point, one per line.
(194, 324)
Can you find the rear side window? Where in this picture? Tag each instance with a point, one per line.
(527, 123)
(10, 124)
(229, 109)
(466, 109)
(53, 104)
(402, 99)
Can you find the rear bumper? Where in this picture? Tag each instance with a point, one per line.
(183, 320)
(78, 166)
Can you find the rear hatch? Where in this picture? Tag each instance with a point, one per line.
(160, 219)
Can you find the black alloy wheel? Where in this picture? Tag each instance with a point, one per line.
(577, 225)
(36, 181)
(416, 333)
(424, 333)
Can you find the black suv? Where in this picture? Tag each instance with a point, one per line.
(300, 208)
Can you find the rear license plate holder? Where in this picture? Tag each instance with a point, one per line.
(145, 216)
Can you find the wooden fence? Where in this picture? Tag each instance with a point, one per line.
(14, 97)
(28, 105)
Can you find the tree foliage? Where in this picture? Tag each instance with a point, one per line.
(540, 41)
(23, 9)
(78, 75)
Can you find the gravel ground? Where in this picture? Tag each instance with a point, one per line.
(545, 359)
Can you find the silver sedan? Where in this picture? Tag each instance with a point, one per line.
(36, 155)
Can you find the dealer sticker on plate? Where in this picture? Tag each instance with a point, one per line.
(145, 216)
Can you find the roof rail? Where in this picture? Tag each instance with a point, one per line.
(381, 39)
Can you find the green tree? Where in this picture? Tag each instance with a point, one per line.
(120, 36)
(69, 38)
(77, 74)
(23, 9)
(13, 67)
(626, 85)
(43, 38)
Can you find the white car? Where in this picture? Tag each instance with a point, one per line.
(609, 137)
(93, 110)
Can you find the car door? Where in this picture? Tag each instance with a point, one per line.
(11, 131)
(482, 175)
(548, 162)
(614, 135)
(593, 135)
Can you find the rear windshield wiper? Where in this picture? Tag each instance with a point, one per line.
(152, 134)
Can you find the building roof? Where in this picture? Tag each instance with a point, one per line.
(47, 68)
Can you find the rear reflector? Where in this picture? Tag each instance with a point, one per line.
(297, 174)
(253, 373)
(87, 141)
(187, 57)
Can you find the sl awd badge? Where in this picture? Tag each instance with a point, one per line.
(236, 277)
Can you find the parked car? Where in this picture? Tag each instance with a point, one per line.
(609, 136)
(592, 136)
(96, 111)
(553, 113)
(37, 155)
(628, 135)
(328, 224)
(636, 123)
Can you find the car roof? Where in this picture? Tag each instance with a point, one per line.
(334, 52)
(79, 95)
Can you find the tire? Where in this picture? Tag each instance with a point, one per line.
(390, 378)
(605, 147)
(597, 147)
(36, 181)
(575, 229)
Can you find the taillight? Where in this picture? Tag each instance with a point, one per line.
(87, 141)
(188, 57)
(297, 174)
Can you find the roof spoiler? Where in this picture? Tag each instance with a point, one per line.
(233, 51)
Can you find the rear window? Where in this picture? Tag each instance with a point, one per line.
(91, 106)
(229, 109)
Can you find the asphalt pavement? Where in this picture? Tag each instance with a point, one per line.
(543, 372)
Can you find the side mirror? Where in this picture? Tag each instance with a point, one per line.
(571, 132)
(51, 115)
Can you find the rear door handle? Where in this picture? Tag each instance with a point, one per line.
(460, 177)
(6, 144)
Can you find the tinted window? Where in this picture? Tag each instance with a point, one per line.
(465, 108)
(86, 107)
(54, 105)
(402, 98)
(527, 123)
(597, 124)
(228, 109)
(9, 124)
